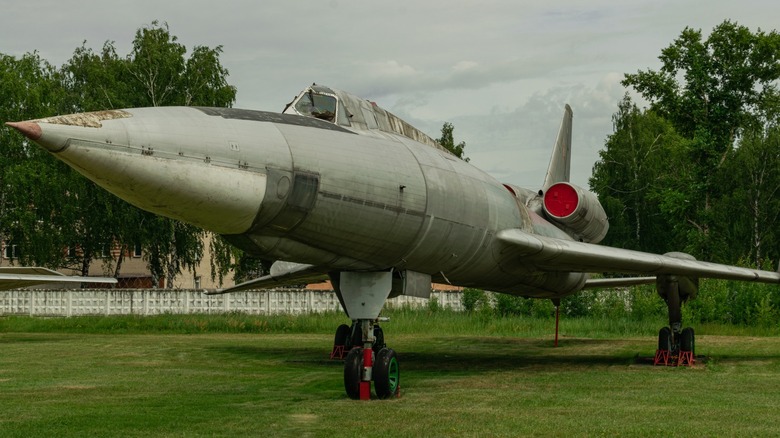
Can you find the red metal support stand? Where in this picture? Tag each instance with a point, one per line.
(662, 357)
(339, 352)
(686, 359)
(665, 357)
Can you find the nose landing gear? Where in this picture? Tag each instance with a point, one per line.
(371, 361)
(367, 358)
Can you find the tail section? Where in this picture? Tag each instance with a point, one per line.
(571, 208)
(560, 162)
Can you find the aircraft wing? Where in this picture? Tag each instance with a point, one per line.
(554, 254)
(596, 283)
(282, 274)
(13, 277)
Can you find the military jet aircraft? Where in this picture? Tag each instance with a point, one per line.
(336, 187)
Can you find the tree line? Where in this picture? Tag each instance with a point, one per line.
(699, 170)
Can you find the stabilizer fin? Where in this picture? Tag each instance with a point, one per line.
(560, 161)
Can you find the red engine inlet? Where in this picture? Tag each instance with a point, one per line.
(577, 211)
(561, 200)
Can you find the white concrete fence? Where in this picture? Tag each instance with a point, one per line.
(44, 302)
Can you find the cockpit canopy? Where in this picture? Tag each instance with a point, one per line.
(321, 103)
(347, 110)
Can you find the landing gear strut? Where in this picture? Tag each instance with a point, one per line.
(676, 346)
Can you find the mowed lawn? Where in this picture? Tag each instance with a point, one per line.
(60, 384)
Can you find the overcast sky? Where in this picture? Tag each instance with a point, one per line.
(500, 71)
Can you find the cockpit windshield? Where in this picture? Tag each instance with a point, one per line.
(317, 105)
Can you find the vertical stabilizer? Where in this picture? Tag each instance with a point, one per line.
(560, 162)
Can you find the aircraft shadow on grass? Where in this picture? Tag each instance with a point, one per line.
(484, 354)
(473, 354)
(29, 338)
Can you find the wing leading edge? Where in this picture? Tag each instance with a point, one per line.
(18, 277)
(282, 274)
(553, 254)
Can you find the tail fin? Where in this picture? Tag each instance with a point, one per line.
(560, 162)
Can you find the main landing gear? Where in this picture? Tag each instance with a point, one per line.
(676, 346)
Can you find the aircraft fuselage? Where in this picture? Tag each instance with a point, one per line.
(305, 190)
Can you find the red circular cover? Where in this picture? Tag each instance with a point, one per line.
(561, 200)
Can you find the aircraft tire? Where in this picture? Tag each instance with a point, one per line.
(353, 370)
(354, 339)
(665, 339)
(687, 340)
(342, 334)
(387, 375)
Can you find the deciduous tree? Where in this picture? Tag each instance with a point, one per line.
(711, 90)
(51, 207)
(447, 140)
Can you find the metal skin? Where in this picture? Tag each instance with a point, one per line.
(339, 188)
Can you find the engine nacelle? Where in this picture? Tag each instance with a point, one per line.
(687, 287)
(577, 210)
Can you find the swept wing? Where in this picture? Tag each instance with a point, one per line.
(18, 277)
(282, 274)
(552, 254)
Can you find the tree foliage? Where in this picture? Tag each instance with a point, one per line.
(33, 184)
(633, 176)
(750, 206)
(51, 207)
(447, 140)
(712, 91)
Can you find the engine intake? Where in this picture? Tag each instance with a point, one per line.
(577, 210)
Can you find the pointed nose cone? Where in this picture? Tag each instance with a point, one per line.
(174, 162)
(30, 130)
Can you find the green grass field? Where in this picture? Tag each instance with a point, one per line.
(203, 376)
